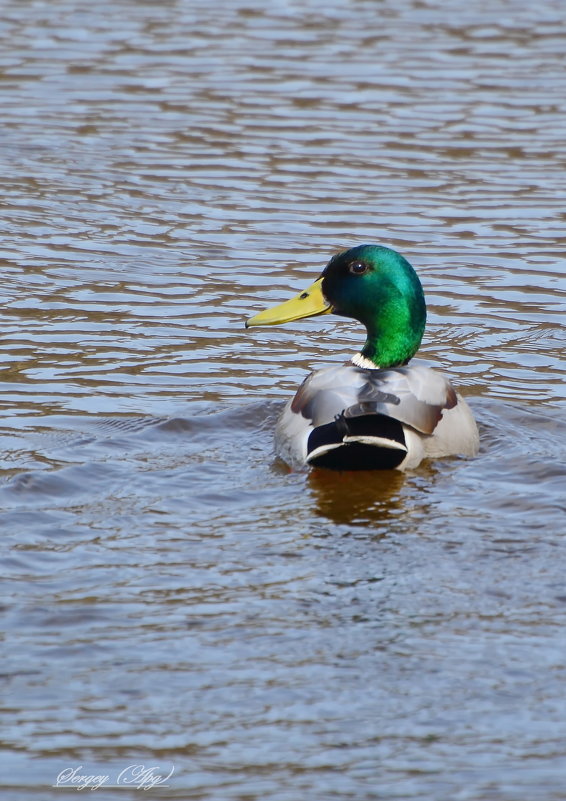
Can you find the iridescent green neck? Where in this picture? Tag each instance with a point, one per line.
(395, 332)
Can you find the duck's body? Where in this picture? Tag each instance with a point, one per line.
(351, 418)
(375, 412)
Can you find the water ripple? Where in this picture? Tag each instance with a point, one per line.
(172, 592)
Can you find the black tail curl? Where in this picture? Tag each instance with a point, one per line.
(352, 455)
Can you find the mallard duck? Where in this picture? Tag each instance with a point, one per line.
(376, 411)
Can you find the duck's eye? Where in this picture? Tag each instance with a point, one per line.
(358, 267)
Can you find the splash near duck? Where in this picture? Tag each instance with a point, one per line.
(377, 411)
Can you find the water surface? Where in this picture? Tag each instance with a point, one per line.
(173, 596)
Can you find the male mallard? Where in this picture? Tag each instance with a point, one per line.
(372, 412)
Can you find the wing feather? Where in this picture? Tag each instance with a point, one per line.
(415, 395)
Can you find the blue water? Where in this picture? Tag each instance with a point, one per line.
(176, 601)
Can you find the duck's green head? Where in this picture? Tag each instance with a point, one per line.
(374, 285)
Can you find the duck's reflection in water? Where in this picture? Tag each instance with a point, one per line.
(357, 497)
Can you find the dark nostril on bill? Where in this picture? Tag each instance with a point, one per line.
(304, 295)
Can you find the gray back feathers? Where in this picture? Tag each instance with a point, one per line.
(414, 395)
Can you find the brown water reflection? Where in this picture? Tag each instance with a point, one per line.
(172, 596)
(357, 499)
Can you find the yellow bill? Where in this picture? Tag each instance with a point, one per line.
(308, 304)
